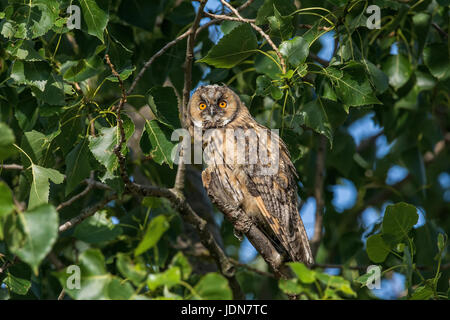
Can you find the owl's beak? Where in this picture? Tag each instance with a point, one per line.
(212, 111)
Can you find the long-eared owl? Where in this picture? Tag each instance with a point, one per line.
(252, 165)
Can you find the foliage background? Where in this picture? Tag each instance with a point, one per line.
(368, 108)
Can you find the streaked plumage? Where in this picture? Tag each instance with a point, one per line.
(269, 199)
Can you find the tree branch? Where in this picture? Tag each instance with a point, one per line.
(90, 186)
(173, 42)
(318, 194)
(86, 213)
(11, 166)
(181, 170)
(260, 31)
(206, 237)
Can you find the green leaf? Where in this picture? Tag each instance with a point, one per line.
(6, 201)
(39, 228)
(81, 70)
(32, 19)
(97, 228)
(94, 279)
(376, 248)
(232, 48)
(295, 51)
(302, 272)
(102, 147)
(276, 93)
(267, 66)
(267, 9)
(398, 69)
(290, 286)
(123, 74)
(316, 118)
(7, 140)
(117, 289)
(378, 78)
(213, 286)
(164, 105)
(34, 74)
(337, 283)
(263, 86)
(17, 285)
(141, 13)
(366, 277)
(95, 19)
(77, 165)
(169, 278)
(399, 219)
(155, 141)
(24, 50)
(53, 93)
(436, 57)
(422, 293)
(281, 26)
(441, 240)
(37, 145)
(351, 85)
(40, 187)
(421, 22)
(180, 261)
(136, 272)
(155, 230)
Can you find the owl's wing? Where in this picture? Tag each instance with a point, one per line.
(276, 198)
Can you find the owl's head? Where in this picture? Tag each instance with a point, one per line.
(213, 106)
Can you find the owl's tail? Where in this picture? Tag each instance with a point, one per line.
(300, 250)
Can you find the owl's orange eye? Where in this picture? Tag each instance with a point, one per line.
(222, 104)
(202, 106)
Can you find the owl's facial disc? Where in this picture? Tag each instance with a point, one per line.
(214, 115)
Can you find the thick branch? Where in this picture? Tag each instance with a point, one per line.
(206, 237)
(181, 170)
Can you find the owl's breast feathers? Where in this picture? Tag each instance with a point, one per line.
(268, 196)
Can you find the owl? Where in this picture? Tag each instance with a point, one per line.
(249, 165)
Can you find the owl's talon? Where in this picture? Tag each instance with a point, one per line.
(238, 234)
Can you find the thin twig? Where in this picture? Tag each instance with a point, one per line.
(252, 269)
(308, 26)
(369, 141)
(439, 29)
(118, 148)
(172, 43)
(318, 59)
(86, 213)
(260, 31)
(245, 5)
(8, 264)
(225, 17)
(90, 186)
(11, 166)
